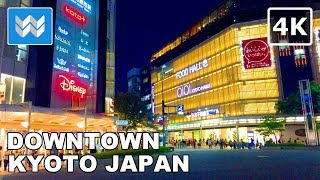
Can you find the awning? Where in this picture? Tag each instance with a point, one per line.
(15, 117)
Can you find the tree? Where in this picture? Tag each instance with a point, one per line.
(292, 104)
(271, 125)
(129, 106)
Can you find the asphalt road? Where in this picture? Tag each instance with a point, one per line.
(213, 164)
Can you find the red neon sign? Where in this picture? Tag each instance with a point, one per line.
(71, 86)
(74, 14)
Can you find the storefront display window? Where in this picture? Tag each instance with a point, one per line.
(15, 88)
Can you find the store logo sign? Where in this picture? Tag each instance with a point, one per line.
(69, 85)
(256, 53)
(187, 89)
(80, 57)
(204, 113)
(83, 5)
(192, 69)
(62, 40)
(61, 65)
(83, 75)
(75, 15)
(63, 31)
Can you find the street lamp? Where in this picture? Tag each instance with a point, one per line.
(162, 103)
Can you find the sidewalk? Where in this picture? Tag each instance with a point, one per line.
(41, 167)
(4, 173)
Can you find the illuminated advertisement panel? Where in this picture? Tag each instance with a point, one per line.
(256, 53)
(74, 59)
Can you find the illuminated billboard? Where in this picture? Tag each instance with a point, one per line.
(74, 59)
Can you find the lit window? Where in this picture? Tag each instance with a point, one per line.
(25, 2)
(2, 3)
(300, 57)
(21, 55)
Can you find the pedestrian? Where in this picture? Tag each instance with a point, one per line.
(6, 159)
(234, 144)
(209, 143)
(242, 144)
(0, 157)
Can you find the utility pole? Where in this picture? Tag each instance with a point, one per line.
(28, 128)
(85, 127)
(163, 107)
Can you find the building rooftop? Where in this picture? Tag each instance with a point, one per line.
(227, 13)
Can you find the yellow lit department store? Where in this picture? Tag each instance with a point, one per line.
(223, 92)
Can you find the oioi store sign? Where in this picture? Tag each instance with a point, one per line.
(192, 69)
(186, 90)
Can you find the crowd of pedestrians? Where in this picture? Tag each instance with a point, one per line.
(215, 143)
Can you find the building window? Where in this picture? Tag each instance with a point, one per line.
(15, 88)
(14, 3)
(22, 54)
(25, 3)
(2, 3)
(300, 57)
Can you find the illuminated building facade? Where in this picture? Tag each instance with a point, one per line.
(59, 80)
(110, 63)
(13, 60)
(226, 75)
(66, 74)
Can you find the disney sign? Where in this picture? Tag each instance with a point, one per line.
(256, 53)
(69, 85)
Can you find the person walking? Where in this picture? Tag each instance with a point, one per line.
(1, 157)
(195, 144)
(6, 159)
(210, 143)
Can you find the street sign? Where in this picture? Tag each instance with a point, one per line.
(121, 122)
(180, 109)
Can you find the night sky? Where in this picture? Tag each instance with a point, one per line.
(145, 26)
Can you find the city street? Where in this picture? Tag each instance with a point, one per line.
(214, 164)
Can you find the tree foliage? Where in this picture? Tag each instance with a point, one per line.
(271, 125)
(292, 104)
(129, 106)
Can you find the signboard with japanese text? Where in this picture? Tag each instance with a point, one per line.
(74, 60)
(121, 122)
(256, 53)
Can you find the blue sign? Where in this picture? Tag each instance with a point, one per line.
(180, 108)
(74, 49)
(30, 26)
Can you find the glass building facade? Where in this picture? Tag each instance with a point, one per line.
(13, 59)
(233, 90)
(206, 70)
(110, 68)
